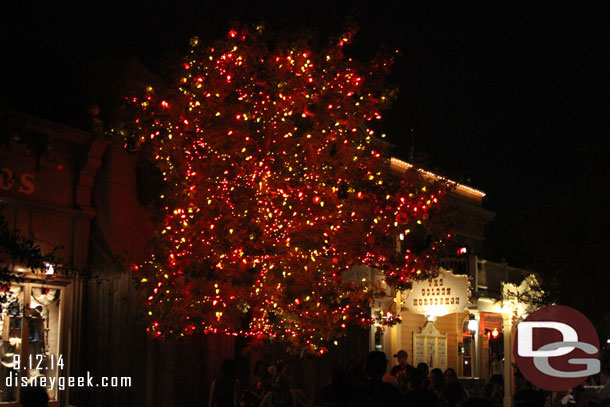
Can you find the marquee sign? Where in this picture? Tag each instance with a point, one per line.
(445, 294)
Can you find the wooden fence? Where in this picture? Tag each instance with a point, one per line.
(165, 374)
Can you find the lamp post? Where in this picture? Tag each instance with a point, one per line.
(473, 327)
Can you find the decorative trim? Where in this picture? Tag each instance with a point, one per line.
(87, 174)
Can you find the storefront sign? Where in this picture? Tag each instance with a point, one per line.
(440, 296)
(23, 183)
(490, 321)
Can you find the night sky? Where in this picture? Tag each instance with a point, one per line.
(511, 98)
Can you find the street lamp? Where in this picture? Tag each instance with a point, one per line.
(473, 324)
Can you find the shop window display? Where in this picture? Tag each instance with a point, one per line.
(29, 329)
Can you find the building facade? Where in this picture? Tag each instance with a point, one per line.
(45, 193)
(464, 319)
(75, 192)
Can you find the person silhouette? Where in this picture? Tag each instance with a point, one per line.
(224, 391)
(33, 396)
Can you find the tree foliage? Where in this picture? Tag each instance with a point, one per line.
(16, 249)
(274, 188)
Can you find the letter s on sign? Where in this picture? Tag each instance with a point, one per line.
(27, 183)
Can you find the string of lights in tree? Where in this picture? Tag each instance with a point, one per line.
(275, 188)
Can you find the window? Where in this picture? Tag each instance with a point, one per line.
(30, 323)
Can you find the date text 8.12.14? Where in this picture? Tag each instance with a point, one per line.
(38, 362)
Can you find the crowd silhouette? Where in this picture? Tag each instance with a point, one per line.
(368, 385)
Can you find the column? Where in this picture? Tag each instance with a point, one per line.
(507, 324)
(476, 353)
(372, 330)
(396, 337)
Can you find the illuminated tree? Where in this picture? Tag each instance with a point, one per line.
(274, 187)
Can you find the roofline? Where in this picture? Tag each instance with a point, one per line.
(460, 189)
(51, 128)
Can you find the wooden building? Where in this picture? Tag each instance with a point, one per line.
(45, 192)
(75, 191)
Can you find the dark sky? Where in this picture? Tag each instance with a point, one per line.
(511, 98)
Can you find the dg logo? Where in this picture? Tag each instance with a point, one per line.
(556, 348)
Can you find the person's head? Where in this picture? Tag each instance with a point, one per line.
(497, 380)
(424, 368)
(282, 383)
(450, 375)
(353, 365)
(402, 357)
(528, 400)
(260, 367)
(376, 364)
(417, 379)
(521, 382)
(340, 378)
(454, 392)
(280, 366)
(436, 378)
(34, 396)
